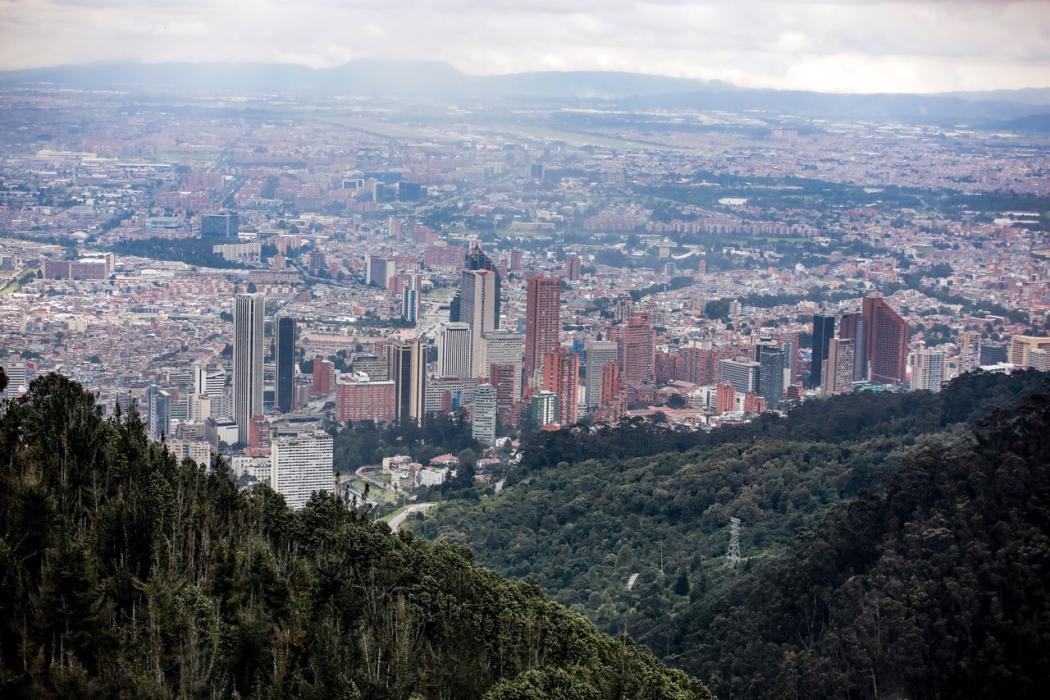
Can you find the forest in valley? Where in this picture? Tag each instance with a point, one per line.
(124, 573)
(893, 544)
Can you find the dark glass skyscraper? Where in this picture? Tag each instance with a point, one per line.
(823, 332)
(284, 354)
(771, 376)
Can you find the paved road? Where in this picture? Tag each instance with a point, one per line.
(396, 521)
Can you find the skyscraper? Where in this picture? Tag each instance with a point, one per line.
(158, 404)
(852, 327)
(742, 374)
(725, 398)
(410, 298)
(637, 348)
(839, 366)
(599, 354)
(505, 348)
(927, 370)
(477, 260)
(771, 376)
(300, 465)
(408, 369)
(483, 427)
(823, 332)
(542, 321)
(506, 379)
(969, 351)
(477, 291)
(561, 375)
(544, 408)
(284, 355)
(885, 342)
(454, 358)
(248, 310)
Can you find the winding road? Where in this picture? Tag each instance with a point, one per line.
(396, 521)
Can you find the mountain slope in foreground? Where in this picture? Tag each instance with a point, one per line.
(124, 573)
(894, 545)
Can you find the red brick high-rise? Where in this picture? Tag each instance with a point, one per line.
(614, 398)
(561, 375)
(503, 377)
(361, 401)
(885, 342)
(636, 349)
(323, 373)
(725, 399)
(542, 321)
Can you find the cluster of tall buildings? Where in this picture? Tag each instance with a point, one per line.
(866, 346)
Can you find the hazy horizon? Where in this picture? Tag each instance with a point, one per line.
(839, 47)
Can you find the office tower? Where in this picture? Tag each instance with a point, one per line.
(477, 308)
(394, 225)
(614, 396)
(476, 259)
(599, 354)
(885, 342)
(789, 344)
(454, 352)
(561, 375)
(248, 318)
(543, 408)
(300, 465)
(636, 349)
(379, 271)
(969, 351)
(17, 378)
(208, 382)
(771, 376)
(322, 378)
(542, 322)
(505, 347)
(994, 351)
(447, 394)
(506, 379)
(516, 257)
(483, 425)
(725, 401)
(823, 332)
(408, 368)
(1021, 347)
(536, 171)
(219, 226)
(927, 370)
(1039, 358)
(410, 298)
(742, 374)
(852, 327)
(364, 400)
(572, 268)
(696, 365)
(158, 418)
(284, 355)
(839, 366)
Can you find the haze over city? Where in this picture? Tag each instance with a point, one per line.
(846, 46)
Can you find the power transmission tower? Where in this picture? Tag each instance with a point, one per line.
(733, 554)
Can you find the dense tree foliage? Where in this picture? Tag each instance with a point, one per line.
(894, 545)
(365, 443)
(124, 573)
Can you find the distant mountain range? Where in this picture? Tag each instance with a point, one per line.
(442, 82)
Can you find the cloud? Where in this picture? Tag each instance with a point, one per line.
(863, 45)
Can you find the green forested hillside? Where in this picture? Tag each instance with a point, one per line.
(125, 574)
(894, 545)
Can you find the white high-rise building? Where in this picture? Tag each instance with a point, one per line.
(300, 465)
(599, 354)
(969, 351)
(483, 429)
(927, 370)
(505, 347)
(477, 289)
(411, 297)
(248, 349)
(838, 366)
(17, 378)
(454, 358)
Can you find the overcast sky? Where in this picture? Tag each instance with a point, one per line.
(851, 45)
